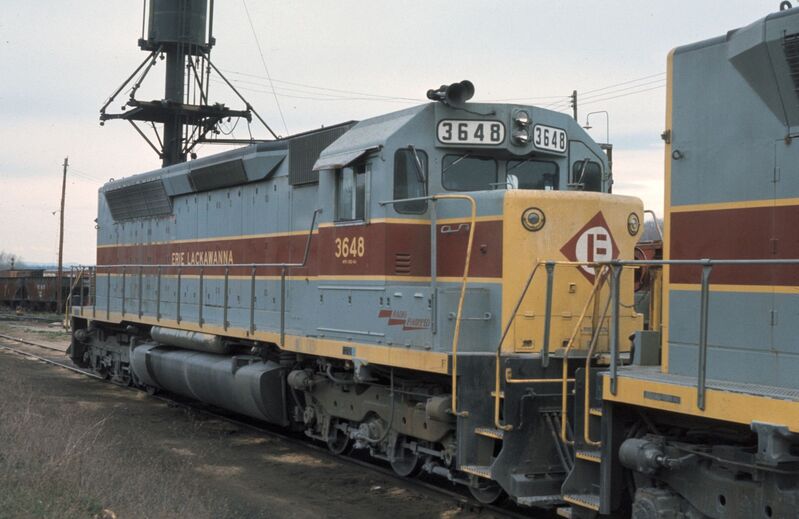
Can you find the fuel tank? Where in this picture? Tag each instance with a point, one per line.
(244, 384)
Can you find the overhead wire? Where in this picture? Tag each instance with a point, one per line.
(624, 95)
(266, 68)
(313, 98)
(315, 87)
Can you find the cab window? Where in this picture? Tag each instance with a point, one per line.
(532, 174)
(468, 173)
(587, 175)
(410, 180)
(351, 193)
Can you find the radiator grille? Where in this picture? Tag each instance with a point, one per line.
(230, 173)
(139, 201)
(790, 46)
(305, 149)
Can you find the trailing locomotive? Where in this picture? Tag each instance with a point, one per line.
(705, 424)
(403, 284)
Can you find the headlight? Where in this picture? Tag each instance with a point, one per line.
(522, 119)
(633, 224)
(521, 136)
(533, 219)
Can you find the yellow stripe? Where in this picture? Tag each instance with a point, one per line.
(744, 204)
(752, 289)
(664, 362)
(727, 406)
(396, 356)
(416, 221)
(405, 279)
(410, 221)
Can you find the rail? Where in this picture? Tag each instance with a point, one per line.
(464, 280)
(139, 269)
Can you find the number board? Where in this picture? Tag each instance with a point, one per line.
(471, 132)
(549, 138)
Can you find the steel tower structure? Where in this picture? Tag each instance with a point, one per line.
(181, 33)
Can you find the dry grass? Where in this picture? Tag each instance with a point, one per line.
(65, 462)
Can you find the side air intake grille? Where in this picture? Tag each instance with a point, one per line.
(790, 45)
(225, 174)
(305, 149)
(402, 264)
(139, 201)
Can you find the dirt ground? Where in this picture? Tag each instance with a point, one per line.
(71, 446)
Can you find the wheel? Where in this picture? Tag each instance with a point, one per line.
(405, 462)
(488, 492)
(337, 440)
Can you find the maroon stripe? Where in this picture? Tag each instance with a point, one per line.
(748, 233)
(359, 250)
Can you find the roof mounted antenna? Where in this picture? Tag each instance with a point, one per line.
(181, 33)
(455, 94)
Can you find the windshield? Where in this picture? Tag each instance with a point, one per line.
(469, 173)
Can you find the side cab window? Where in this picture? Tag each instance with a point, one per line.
(410, 180)
(587, 175)
(351, 193)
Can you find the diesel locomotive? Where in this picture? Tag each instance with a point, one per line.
(450, 288)
(365, 283)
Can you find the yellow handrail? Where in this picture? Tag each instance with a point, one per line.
(599, 280)
(497, 392)
(456, 334)
(587, 389)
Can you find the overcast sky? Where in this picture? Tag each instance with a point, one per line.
(330, 62)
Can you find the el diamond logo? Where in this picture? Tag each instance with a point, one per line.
(591, 243)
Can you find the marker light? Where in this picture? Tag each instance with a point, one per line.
(533, 219)
(633, 224)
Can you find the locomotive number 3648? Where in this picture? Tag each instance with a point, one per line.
(477, 132)
(354, 247)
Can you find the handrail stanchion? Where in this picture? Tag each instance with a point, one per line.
(587, 388)
(703, 319)
(599, 280)
(615, 273)
(282, 307)
(252, 300)
(498, 358)
(108, 295)
(140, 291)
(225, 300)
(550, 266)
(123, 291)
(201, 298)
(158, 296)
(177, 305)
(465, 280)
(93, 290)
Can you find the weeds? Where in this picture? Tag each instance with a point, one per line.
(59, 461)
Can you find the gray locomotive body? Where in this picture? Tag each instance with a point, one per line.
(366, 283)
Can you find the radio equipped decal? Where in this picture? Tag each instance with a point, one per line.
(400, 318)
(470, 131)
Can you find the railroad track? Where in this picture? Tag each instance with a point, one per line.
(462, 500)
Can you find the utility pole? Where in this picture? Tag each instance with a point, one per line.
(574, 103)
(59, 277)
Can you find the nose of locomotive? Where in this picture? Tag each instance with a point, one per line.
(571, 229)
